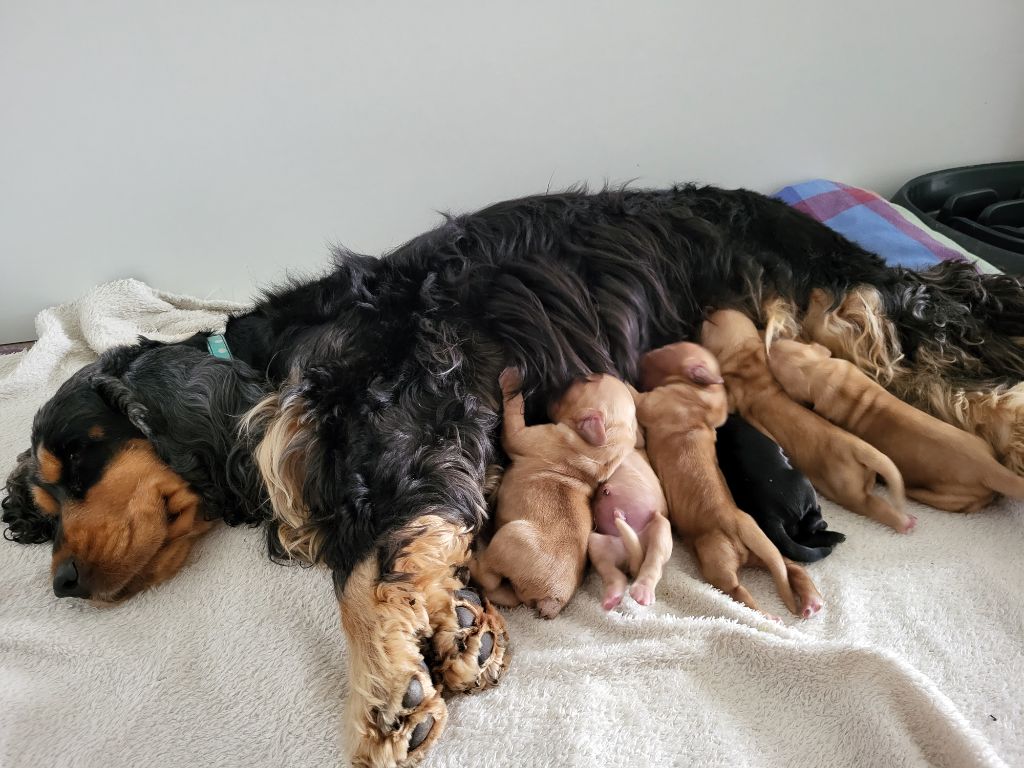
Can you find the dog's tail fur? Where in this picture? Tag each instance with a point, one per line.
(758, 543)
(817, 546)
(875, 460)
(634, 549)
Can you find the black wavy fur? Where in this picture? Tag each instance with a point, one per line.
(187, 403)
(396, 360)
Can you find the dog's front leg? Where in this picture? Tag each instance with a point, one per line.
(395, 621)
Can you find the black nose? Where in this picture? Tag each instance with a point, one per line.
(66, 582)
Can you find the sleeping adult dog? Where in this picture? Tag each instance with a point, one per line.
(376, 442)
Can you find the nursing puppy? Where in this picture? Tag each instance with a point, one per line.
(942, 466)
(773, 492)
(841, 466)
(632, 533)
(679, 414)
(539, 552)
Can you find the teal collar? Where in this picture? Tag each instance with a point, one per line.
(218, 346)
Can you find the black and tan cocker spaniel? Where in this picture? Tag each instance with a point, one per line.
(373, 416)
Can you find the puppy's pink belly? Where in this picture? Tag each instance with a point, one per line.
(638, 514)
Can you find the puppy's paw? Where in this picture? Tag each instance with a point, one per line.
(611, 600)
(470, 643)
(910, 524)
(510, 380)
(642, 592)
(396, 727)
(810, 606)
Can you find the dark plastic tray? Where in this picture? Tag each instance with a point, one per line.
(981, 207)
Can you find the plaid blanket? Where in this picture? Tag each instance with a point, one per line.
(868, 219)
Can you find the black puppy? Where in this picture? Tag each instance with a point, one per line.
(772, 491)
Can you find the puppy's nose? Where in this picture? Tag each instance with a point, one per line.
(66, 581)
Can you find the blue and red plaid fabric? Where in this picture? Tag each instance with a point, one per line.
(869, 220)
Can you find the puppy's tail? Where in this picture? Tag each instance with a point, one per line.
(634, 549)
(1004, 481)
(757, 542)
(821, 544)
(875, 460)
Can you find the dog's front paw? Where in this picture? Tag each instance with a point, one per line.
(395, 727)
(470, 643)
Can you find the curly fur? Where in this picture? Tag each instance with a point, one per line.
(390, 366)
(186, 403)
(387, 368)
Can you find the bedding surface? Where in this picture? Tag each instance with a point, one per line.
(917, 659)
(870, 220)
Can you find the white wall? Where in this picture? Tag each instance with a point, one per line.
(204, 146)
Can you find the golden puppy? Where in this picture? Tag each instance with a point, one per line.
(942, 466)
(632, 534)
(539, 552)
(680, 413)
(843, 467)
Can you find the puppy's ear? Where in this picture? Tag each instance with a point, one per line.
(699, 373)
(821, 349)
(120, 397)
(26, 524)
(590, 425)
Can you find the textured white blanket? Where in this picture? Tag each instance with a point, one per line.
(917, 659)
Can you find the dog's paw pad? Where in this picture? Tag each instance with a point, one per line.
(420, 732)
(470, 643)
(413, 695)
(486, 648)
(910, 524)
(399, 732)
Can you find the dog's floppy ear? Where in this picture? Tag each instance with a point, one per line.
(699, 373)
(120, 397)
(26, 524)
(590, 425)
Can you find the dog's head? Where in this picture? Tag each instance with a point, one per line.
(130, 460)
(600, 408)
(681, 362)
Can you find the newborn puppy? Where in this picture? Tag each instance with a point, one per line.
(539, 552)
(842, 467)
(631, 532)
(679, 414)
(942, 466)
(773, 492)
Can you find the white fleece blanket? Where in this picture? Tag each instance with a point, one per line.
(917, 659)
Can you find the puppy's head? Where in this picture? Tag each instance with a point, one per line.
(682, 362)
(95, 483)
(727, 330)
(600, 408)
(791, 363)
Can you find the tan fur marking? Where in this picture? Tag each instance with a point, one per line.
(96, 432)
(281, 456)
(135, 526)
(50, 467)
(384, 622)
(46, 503)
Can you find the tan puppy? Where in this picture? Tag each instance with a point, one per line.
(843, 467)
(632, 534)
(942, 466)
(539, 552)
(679, 414)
